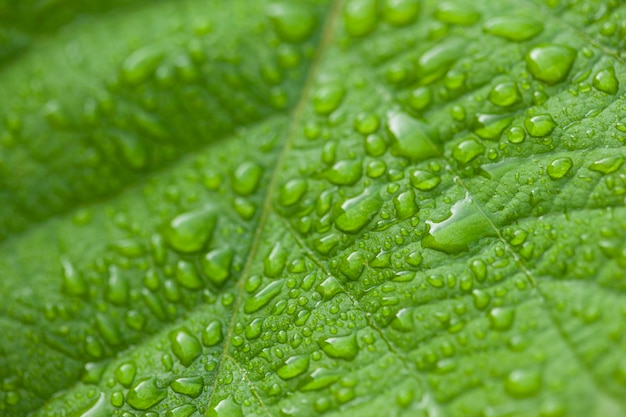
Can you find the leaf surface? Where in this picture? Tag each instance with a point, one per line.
(358, 207)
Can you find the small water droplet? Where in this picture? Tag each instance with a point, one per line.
(145, 394)
(117, 290)
(246, 178)
(360, 17)
(456, 13)
(607, 165)
(73, 282)
(401, 12)
(125, 373)
(436, 62)
(606, 81)
(191, 386)
(292, 191)
(293, 22)
(275, 261)
(294, 366)
(346, 172)
(405, 204)
(226, 407)
(523, 383)
(263, 297)
(515, 134)
(140, 65)
(356, 213)
(189, 232)
(412, 138)
(539, 126)
(342, 347)
(212, 334)
(550, 63)
(504, 94)
(327, 98)
(501, 318)
(187, 275)
(468, 150)
(216, 265)
(424, 180)
(559, 167)
(513, 28)
(185, 346)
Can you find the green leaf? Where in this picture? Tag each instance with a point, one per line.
(313, 207)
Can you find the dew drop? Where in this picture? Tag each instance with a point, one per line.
(405, 204)
(501, 318)
(212, 334)
(294, 366)
(191, 386)
(435, 62)
(366, 123)
(145, 394)
(189, 232)
(550, 63)
(73, 282)
(606, 81)
(466, 225)
(468, 150)
(515, 134)
(559, 167)
(360, 17)
(412, 138)
(424, 180)
(293, 22)
(275, 261)
(246, 178)
(401, 12)
(184, 410)
(140, 65)
(117, 290)
(125, 373)
(342, 347)
(263, 297)
(187, 275)
(540, 125)
(346, 172)
(185, 346)
(607, 165)
(356, 213)
(327, 98)
(375, 145)
(490, 126)
(456, 14)
(513, 28)
(292, 191)
(216, 265)
(352, 265)
(523, 383)
(504, 94)
(99, 409)
(226, 407)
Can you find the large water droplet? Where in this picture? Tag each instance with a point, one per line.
(465, 226)
(456, 13)
(292, 21)
(190, 232)
(345, 172)
(550, 63)
(125, 373)
(513, 28)
(412, 138)
(435, 62)
(275, 261)
(468, 150)
(606, 81)
(263, 297)
(559, 167)
(191, 386)
(424, 180)
(188, 276)
(607, 165)
(294, 366)
(185, 346)
(360, 17)
(145, 394)
(216, 265)
(212, 334)
(327, 98)
(342, 347)
(400, 12)
(501, 318)
(226, 408)
(504, 94)
(292, 191)
(523, 383)
(540, 125)
(356, 213)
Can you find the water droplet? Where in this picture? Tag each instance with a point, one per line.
(366, 123)
(191, 386)
(405, 204)
(424, 180)
(468, 150)
(293, 22)
(275, 261)
(125, 373)
(181, 411)
(504, 94)
(263, 297)
(319, 379)
(606, 81)
(327, 98)
(490, 126)
(412, 138)
(513, 28)
(360, 17)
(216, 265)
(481, 299)
(187, 275)
(345, 172)
(185, 346)
(540, 125)
(140, 65)
(550, 63)
(294, 366)
(73, 282)
(420, 98)
(99, 409)
(401, 12)
(117, 290)
(226, 408)
(342, 347)
(559, 168)
(356, 213)
(375, 145)
(329, 288)
(292, 191)
(456, 14)
(145, 394)
(523, 383)
(515, 134)
(466, 225)
(190, 232)
(246, 178)
(212, 334)
(607, 165)
(501, 318)
(108, 329)
(352, 265)
(436, 62)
